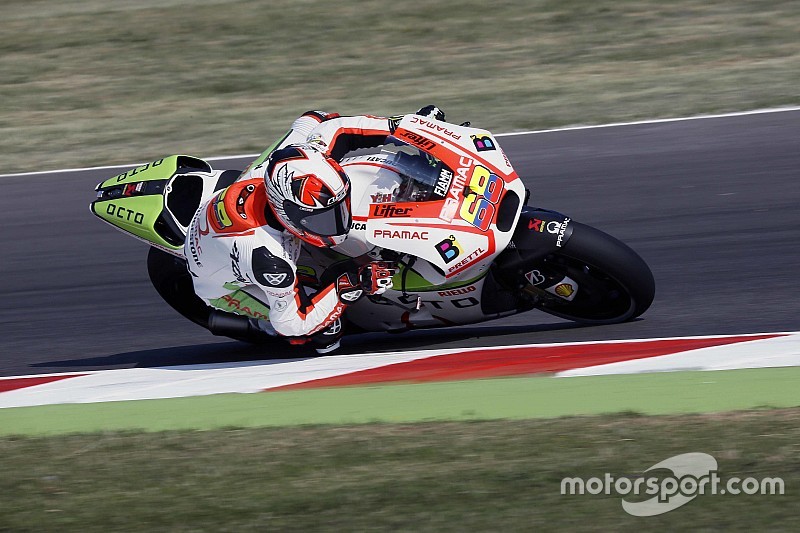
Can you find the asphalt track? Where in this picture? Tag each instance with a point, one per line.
(711, 205)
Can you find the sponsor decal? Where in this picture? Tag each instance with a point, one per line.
(483, 143)
(335, 315)
(458, 303)
(505, 158)
(217, 208)
(541, 226)
(467, 260)
(458, 292)
(419, 140)
(562, 231)
(459, 181)
(431, 125)
(194, 237)
(443, 183)
(133, 172)
(449, 210)
(400, 234)
(235, 303)
(462, 303)
(132, 189)
(359, 226)
(127, 215)
(390, 210)
(382, 197)
(237, 271)
(535, 277)
(449, 249)
(280, 305)
(564, 290)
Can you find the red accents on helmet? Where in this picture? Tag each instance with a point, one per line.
(310, 191)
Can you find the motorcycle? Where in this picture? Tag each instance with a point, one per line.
(440, 201)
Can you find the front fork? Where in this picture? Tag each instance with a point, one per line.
(529, 268)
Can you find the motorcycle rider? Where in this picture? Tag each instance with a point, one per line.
(248, 235)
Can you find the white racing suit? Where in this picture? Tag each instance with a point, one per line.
(241, 259)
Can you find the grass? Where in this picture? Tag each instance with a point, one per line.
(454, 476)
(509, 398)
(87, 82)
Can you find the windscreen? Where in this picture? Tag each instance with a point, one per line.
(423, 177)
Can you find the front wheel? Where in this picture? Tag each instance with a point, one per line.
(614, 283)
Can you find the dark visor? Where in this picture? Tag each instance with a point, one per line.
(327, 222)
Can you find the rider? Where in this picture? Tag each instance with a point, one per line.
(248, 235)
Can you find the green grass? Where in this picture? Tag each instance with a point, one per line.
(453, 476)
(512, 398)
(85, 82)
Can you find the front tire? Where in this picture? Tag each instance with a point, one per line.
(614, 283)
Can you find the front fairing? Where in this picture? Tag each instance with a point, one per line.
(443, 193)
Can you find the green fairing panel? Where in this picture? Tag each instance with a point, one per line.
(137, 211)
(416, 283)
(136, 215)
(241, 303)
(158, 170)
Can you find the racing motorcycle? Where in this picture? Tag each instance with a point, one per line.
(440, 201)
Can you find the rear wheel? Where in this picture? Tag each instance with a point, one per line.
(172, 280)
(614, 283)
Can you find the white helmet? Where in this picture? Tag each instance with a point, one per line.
(309, 194)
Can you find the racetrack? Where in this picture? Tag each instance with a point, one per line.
(711, 205)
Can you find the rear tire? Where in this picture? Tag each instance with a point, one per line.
(172, 281)
(614, 283)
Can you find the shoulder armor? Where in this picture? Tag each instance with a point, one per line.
(271, 271)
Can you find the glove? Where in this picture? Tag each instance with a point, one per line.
(431, 111)
(376, 277)
(348, 290)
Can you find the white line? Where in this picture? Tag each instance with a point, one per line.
(112, 167)
(655, 121)
(532, 132)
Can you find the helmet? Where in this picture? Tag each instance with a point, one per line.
(309, 194)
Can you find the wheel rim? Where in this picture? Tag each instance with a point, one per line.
(599, 299)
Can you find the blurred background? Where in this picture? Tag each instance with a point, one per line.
(94, 82)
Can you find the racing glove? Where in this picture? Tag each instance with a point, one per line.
(376, 277)
(431, 111)
(373, 278)
(348, 289)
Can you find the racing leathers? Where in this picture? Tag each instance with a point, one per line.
(235, 243)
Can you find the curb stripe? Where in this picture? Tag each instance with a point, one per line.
(7, 385)
(493, 362)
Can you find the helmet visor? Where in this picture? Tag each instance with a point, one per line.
(326, 222)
